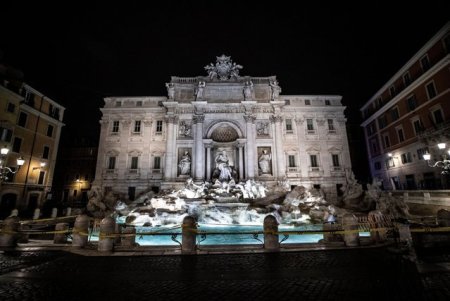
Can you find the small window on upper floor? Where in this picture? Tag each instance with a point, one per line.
(411, 102)
(431, 90)
(425, 63)
(22, 119)
(288, 125)
(307, 102)
(446, 42)
(327, 102)
(139, 103)
(11, 107)
(377, 165)
(287, 102)
(45, 152)
(437, 116)
(115, 128)
(406, 79)
(159, 125)
(49, 130)
(5, 134)
(118, 103)
(394, 114)
(392, 91)
(378, 103)
(137, 126)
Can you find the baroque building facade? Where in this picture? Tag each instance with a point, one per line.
(409, 116)
(222, 127)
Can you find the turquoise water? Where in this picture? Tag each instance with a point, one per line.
(221, 235)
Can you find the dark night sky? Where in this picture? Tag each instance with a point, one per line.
(77, 53)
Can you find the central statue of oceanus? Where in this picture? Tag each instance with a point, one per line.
(224, 68)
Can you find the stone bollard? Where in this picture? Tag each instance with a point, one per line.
(376, 221)
(37, 213)
(54, 213)
(130, 239)
(14, 212)
(80, 231)
(350, 223)
(69, 211)
(271, 234)
(189, 235)
(404, 234)
(61, 238)
(330, 237)
(107, 228)
(9, 234)
(24, 237)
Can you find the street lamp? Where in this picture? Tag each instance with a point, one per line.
(444, 164)
(5, 170)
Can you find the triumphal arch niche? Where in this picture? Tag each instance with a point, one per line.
(227, 125)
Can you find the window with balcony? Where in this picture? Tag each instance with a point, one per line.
(291, 159)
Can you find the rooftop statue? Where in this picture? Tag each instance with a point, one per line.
(224, 69)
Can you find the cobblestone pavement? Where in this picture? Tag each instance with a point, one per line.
(353, 274)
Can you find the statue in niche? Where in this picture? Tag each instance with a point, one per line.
(248, 89)
(170, 90)
(275, 89)
(185, 129)
(199, 90)
(264, 162)
(185, 164)
(222, 164)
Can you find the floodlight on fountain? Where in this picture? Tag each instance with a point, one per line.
(444, 163)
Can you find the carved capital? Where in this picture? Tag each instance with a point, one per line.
(320, 122)
(104, 121)
(276, 118)
(198, 118)
(250, 118)
(125, 122)
(148, 122)
(299, 121)
(171, 119)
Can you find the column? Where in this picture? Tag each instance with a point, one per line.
(250, 119)
(241, 162)
(281, 164)
(208, 162)
(199, 149)
(170, 145)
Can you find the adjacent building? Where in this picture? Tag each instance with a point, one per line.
(30, 127)
(409, 116)
(220, 127)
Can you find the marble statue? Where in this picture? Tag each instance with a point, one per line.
(170, 90)
(200, 89)
(185, 164)
(264, 162)
(222, 163)
(275, 89)
(224, 68)
(248, 89)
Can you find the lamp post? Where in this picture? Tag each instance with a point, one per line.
(444, 163)
(5, 170)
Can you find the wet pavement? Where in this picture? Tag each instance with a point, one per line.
(347, 274)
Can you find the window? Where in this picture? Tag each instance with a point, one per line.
(115, 128)
(331, 125)
(374, 146)
(327, 102)
(406, 158)
(335, 159)
(131, 193)
(309, 124)
(288, 125)
(287, 102)
(421, 152)
(22, 119)
(382, 122)
(446, 41)
(16, 144)
(118, 103)
(378, 103)
(411, 102)
(111, 162)
(45, 152)
(50, 130)
(387, 142)
(400, 135)
(406, 79)
(137, 126)
(418, 127)
(392, 91)
(371, 129)
(5, 134)
(307, 102)
(390, 163)
(313, 159)
(291, 160)
(431, 90)
(377, 165)
(437, 116)
(41, 177)
(75, 193)
(425, 63)
(134, 162)
(159, 124)
(11, 107)
(157, 163)
(139, 103)
(394, 114)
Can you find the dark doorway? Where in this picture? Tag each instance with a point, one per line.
(7, 204)
(32, 205)
(410, 182)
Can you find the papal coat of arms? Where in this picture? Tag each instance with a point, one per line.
(224, 68)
